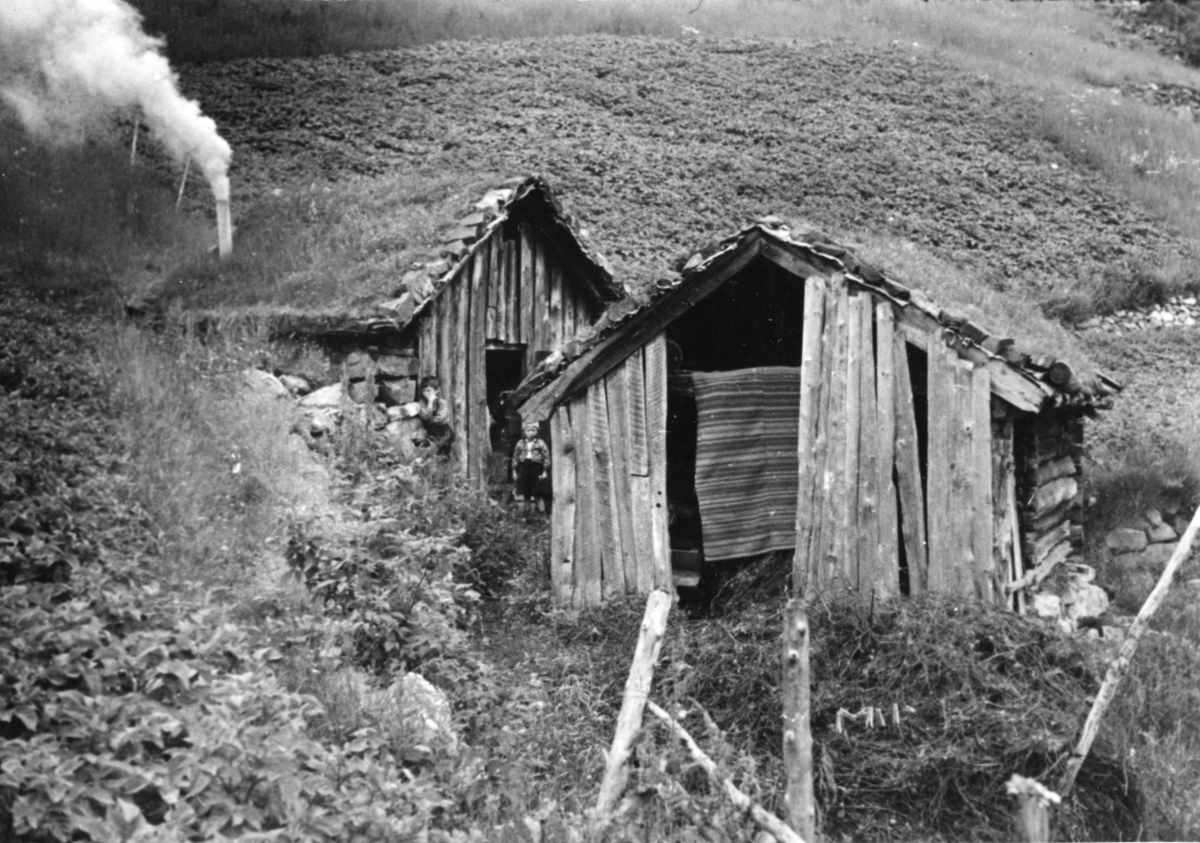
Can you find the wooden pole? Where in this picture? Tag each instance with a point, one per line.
(1120, 665)
(766, 820)
(187, 165)
(137, 124)
(797, 711)
(1033, 808)
(637, 687)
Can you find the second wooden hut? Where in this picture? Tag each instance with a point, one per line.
(779, 395)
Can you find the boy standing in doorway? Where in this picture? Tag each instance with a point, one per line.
(531, 460)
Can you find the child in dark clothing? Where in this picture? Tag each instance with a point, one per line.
(531, 460)
(434, 412)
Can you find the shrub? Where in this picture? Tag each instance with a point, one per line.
(398, 604)
(1147, 476)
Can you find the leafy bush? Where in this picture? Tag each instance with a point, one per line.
(399, 606)
(121, 722)
(1147, 476)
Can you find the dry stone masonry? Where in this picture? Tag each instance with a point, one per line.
(1177, 312)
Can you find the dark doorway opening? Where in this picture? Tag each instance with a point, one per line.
(754, 319)
(504, 370)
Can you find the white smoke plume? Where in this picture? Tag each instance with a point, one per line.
(63, 63)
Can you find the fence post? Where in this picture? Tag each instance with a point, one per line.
(797, 712)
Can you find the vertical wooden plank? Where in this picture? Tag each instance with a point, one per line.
(512, 291)
(539, 341)
(960, 509)
(806, 444)
(617, 388)
(500, 279)
(1014, 527)
(641, 496)
(512, 260)
(607, 525)
(868, 455)
(1003, 475)
(833, 537)
(816, 574)
(554, 316)
(909, 493)
(635, 384)
(562, 516)
(588, 569)
(854, 363)
(524, 321)
(938, 499)
(427, 348)
(491, 285)
(654, 355)
(462, 330)
(570, 326)
(986, 578)
(447, 343)
(478, 417)
(887, 571)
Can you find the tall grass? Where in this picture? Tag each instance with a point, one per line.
(209, 462)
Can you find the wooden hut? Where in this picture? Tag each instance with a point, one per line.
(513, 280)
(779, 394)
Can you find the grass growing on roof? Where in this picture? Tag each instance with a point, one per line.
(983, 300)
(326, 245)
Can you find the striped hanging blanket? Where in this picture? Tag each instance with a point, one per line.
(746, 464)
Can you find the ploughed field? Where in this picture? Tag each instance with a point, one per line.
(662, 145)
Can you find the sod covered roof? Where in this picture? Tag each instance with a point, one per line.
(1035, 381)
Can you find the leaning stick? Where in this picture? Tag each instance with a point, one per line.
(137, 124)
(187, 165)
(1120, 665)
(768, 821)
(637, 688)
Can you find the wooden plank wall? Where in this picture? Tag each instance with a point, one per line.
(609, 532)
(513, 290)
(860, 465)
(861, 496)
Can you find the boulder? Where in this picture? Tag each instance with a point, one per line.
(410, 709)
(326, 396)
(1163, 533)
(397, 365)
(1153, 517)
(295, 384)
(1046, 605)
(399, 390)
(1084, 600)
(422, 712)
(358, 364)
(263, 384)
(362, 391)
(1126, 540)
